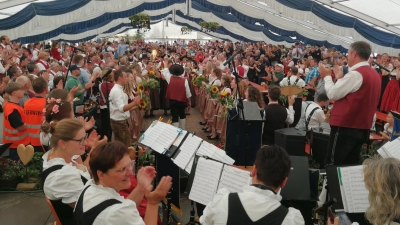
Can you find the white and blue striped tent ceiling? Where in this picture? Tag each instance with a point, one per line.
(336, 23)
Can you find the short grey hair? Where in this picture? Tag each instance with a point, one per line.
(362, 48)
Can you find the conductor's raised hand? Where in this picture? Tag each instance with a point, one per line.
(161, 191)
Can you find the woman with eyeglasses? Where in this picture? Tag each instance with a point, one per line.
(100, 203)
(63, 178)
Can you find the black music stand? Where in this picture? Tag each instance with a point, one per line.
(334, 192)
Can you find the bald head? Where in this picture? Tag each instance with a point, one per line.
(24, 80)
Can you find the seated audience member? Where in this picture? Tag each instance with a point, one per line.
(276, 116)
(258, 202)
(314, 115)
(382, 180)
(14, 122)
(388, 127)
(62, 177)
(100, 203)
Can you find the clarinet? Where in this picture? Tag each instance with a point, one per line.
(169, 211)
(137, 159)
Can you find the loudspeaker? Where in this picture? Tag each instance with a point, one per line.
(292, 140)
(297, 192)
(235, 135)
(320, 141)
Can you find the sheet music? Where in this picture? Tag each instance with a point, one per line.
(355, 192)
(205, 181)
(187, 150)
(390, 149)
(189, 166)
(212, 151)
(160, 136)
(234, 179)
(178, 141)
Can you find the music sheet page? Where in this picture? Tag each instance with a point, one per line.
(187, 151)
(234, 179)
(160, 137)
(355, 191)
(205, 181)
(390, 149)
(178, 141)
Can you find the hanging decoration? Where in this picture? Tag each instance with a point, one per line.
(141, 22)
(186, 30)
(209, 26)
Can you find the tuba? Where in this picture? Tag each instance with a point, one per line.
(154, 52)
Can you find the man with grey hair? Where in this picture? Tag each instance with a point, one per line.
(33, 69)
(54, 72)
(356, 97)
(26, 82)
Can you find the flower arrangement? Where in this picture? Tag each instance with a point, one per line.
(150, 84)
(213, 91)
(57, 103)
(152, 74)
(226, 99)
(198, 81)
(144, 103)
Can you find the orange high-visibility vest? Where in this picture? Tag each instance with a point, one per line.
(10, 134)
(33, 109)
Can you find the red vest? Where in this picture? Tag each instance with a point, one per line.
(286, 66)
(176, 89)
(357, 109)
(46, 65)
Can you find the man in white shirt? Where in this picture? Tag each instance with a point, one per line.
(356, 98)
(33, 69)
(297, 53)
(260, 201)
(293, 78)
(119, 109)
(314, 115)
(5, 42)
(35, 52)
(54, 69)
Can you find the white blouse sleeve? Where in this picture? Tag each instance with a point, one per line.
(65, 184)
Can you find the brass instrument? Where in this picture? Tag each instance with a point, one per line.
(195, 68)
(154, 52)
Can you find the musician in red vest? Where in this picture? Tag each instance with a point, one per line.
(42, 62)
(356, 96)
(178, 93)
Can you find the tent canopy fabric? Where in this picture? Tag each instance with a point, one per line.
(335, 23)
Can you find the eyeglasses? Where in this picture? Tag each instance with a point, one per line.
(125, 169)
(81, 141)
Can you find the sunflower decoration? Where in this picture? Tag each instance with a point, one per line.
(140, 88)
(214, 89)
(152, 74)
(142, 104)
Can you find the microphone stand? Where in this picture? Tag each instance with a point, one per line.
(69, 66)
(240, 110)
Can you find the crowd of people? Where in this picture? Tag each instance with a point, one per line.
(54, 96)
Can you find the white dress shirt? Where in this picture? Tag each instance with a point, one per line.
(120, 213)
(215, 82)
(317, 117)
(290, 113)
(66, 183)
(118, 99)
(256, 202)
(293, 78)
(168, 75)
(246, 69)
(350, 83)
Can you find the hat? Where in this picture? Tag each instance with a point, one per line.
(300, 71)
(89, 62)
(176, 70)
(183, 57)
(280, 65)
(144, 56)
(74, 67)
